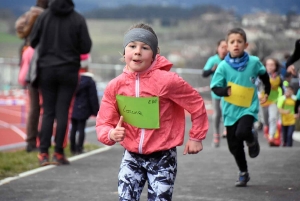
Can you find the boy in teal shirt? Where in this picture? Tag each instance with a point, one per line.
(234, 79)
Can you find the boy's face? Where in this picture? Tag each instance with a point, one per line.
(138, 56)
(288, 92)
(236, 44)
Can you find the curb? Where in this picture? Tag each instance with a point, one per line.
(41, 169)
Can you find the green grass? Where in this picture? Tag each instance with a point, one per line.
(8, 38)
(13, 163)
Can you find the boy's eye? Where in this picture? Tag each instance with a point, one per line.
(132, 46)
(146, 48)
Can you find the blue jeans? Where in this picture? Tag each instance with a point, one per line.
(287, 135)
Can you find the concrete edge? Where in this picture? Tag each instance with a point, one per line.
(41, 169)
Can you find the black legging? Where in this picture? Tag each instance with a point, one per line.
(77, 125)
(57, 86)
(236, 135)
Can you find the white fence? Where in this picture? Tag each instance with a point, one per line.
(103, 74)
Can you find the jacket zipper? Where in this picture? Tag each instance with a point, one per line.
(137, 94)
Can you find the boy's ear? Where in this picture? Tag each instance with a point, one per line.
(246, 45)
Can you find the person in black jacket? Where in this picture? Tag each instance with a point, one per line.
(86, 104)
(61, 35)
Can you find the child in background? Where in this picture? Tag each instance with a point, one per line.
(288, 108)
(150, 153)
(235, 79)
(209, 69)
(269, 108)
(86, 104)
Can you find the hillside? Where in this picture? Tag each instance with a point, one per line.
(277, 6)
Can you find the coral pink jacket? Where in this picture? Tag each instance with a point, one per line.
(26, 58)
(174, 94)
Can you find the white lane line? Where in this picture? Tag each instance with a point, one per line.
(14, 128)
(41, 169)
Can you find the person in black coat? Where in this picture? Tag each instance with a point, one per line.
(60, 35)
(86, 104)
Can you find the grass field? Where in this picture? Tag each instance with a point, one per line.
(13, 163)
(107, 37)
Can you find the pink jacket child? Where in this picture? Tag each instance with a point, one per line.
(175, 96)
(25, 63)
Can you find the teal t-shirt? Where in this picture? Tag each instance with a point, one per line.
(226, 74)
(298, 94)
(211, 62)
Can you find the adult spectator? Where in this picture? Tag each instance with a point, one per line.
(61, 35)
(23, 27)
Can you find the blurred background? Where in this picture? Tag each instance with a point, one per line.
(188, 31)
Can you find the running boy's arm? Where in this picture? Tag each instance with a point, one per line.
(266, 81)
(218, 83)
(184, 95)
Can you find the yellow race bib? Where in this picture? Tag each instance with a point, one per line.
(240, 95)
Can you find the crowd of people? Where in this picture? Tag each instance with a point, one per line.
(54, 67)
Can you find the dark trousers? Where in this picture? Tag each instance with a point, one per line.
(236, 135)
(57, 86)
(287, 135)
(33, 116)
(77, 125)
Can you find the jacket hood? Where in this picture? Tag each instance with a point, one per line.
(160, 62)
(61, 7)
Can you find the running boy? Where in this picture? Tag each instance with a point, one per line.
(288, 108)
(235, 80)
(209, 69)
(150, 144)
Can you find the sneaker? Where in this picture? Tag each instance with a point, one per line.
(216, 140)
(43, 159)
(59, 159)
(243, 179)
(253, 148)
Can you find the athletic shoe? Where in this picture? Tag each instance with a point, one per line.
(216, 140)
(242, 180)
(59, 159)
(253, 148)
(43, 159)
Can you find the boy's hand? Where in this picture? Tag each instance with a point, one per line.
(286, 111)
(214, 67)
(229, 91)
(263, 99)
(118, 134)
(192, 147)
(296, 116)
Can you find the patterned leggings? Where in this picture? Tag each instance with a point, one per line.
(158, 169)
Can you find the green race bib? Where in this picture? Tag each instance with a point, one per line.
(141, 112)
